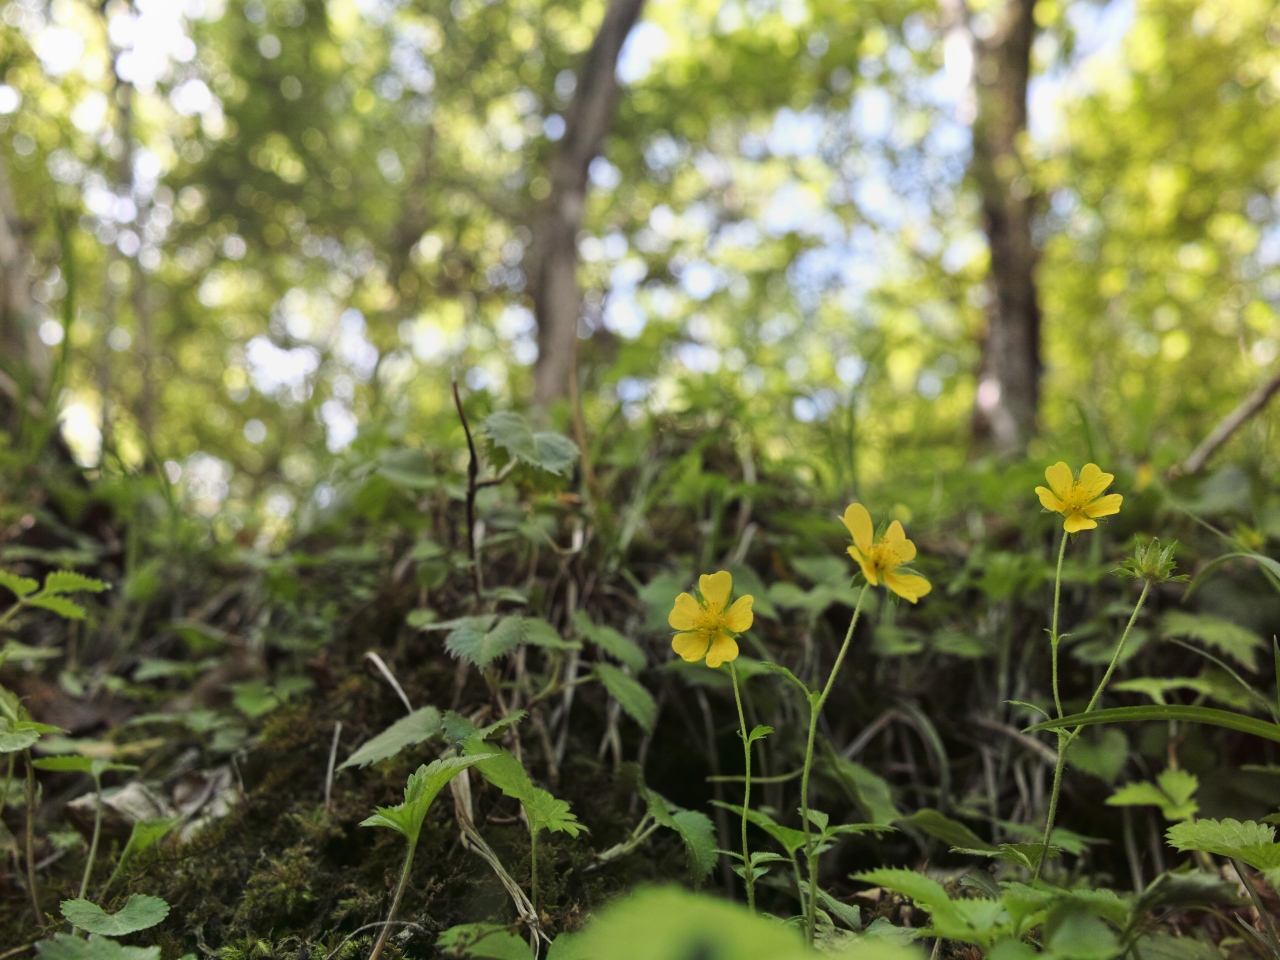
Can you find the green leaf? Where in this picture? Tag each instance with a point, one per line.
(145, 835)
(547, 451)
(1079, 935)
(68, 581)
(694, 828)
(925, 891)
(610, 641)
(67, 946)
(138, 913)
(505, 772)
(758, 732)
(17, 735)
(1172, 793)
(60, 605)
(1103, 755)
(480, 641)
(631, 696)
(947, 830)
(18, 586)
(423, 786)
(1209, 715)
(569, 946)
(1237, 642)
(789, 838)
(408, 731)
(483, 940)
(74, 763)
(1252, 842)
(871, 792)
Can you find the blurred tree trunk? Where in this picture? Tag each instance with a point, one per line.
(1009, 374)
(24, 361)
(552, 264)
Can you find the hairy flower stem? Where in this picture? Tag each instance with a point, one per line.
(395, 901)
(1066, 738)
(748, 873)
(97, 832)
(533, 869)
(815, 709)
(1053, 631)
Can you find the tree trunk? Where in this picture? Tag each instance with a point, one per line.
(24, 361)
(552, 265)
(1009, 375)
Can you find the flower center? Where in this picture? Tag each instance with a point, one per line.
(882, 557)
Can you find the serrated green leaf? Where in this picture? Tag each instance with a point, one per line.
(67, 946)
(547, 451)
(635, 700)
(952, 832)
(408, 731)
(139, 912)
(63, 607)
(505, 772)
(17, 735)
(694, 828)
(610, 641)
(554, 452)
(1172, 793)
(474, 639)
(1252, 842)
(18, 586)
(1237, 642)
(789, 838)
(424, 785)
(68, 581)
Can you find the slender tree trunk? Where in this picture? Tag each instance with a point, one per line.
(1009, 376)
(24, 361)
(551, 267)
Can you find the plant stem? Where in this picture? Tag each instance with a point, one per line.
(8, 779)
(1053, 631)
(395, 902)
(1065, 739)
(748, 873)
(97, 832)
(1259, 906)
(815, 709)
(533, 868)
(31, 837)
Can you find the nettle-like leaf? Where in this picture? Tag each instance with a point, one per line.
(424, 785)
(1239, 643)
(978, 921)
(505, 772)
(610, 641)
(695, 829)
(1172, 793)
(67, 946)
(18, 586)
(635, 700)
(408, 731)
(68, 581)
(67, 609)
(139, 912)
(1252, 842)
(481, 640)
(547, 451)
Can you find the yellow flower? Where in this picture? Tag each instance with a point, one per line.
(881, 558)
(1079, 500)
(705, 626)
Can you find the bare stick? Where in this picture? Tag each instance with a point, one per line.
(333, 756)
(473, 473)
(1229, 425)
(386, 672)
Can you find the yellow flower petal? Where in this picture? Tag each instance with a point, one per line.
(692, 646)
(907, 585)
(1105, 507)
(901, 550)
(723, 650)
(1077, 522)
(1060, 479)
(739, 616)
(858, 522)
(868, 569)
(685, 614)
(1093, 481)
(1049, 501)
(716, 588)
